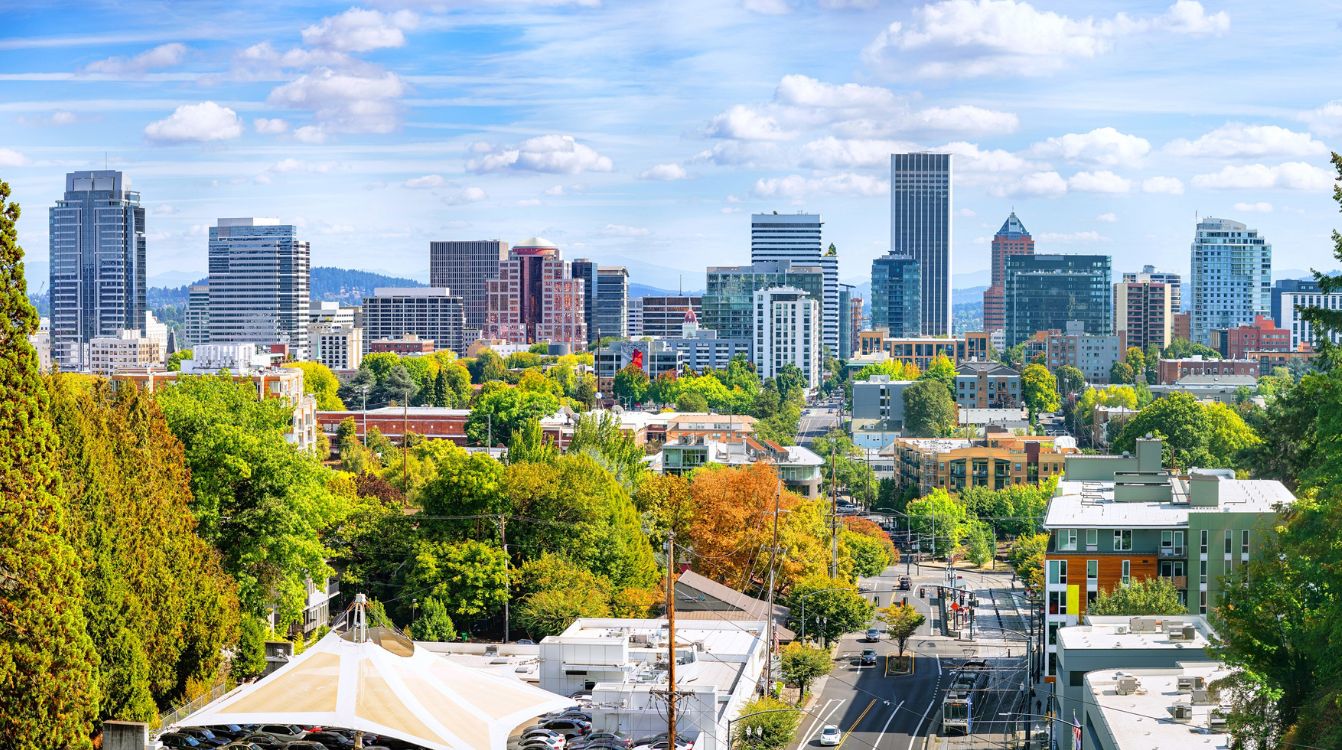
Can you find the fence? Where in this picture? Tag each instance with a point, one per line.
(215, 692)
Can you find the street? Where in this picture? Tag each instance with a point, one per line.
(817, 420)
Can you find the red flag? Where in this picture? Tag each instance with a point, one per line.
(637, 360)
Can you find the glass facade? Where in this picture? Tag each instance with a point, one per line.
(258, 284)
(1044, 292)
(610, 308)
(896, 288)
(920, 226)
(1231, 277)
(729, 300)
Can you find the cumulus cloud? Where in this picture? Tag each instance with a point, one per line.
(623, 230)
(555, 190)
(359, 30)
(344, 102)
(666, 172)
(1257, 207)
(1108, 217)
(1325, 120)
(1166, 185)
(1102, 181)
(1034, 183)
(11, 158)
(797, 186)
(1239, 140)
(270, 125)
(744, 123)
(427, 181)
(767, 7)
(465, 195)
(547, 153)
(199, 123)
(742, 153)
(849, 4)
(1105, 146)
(1295, 175)
(162, 56)
(966, 38)
(966, 119)
(846, 153)
(310, 134)
(262, 59)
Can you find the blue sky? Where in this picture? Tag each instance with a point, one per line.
(645, 133)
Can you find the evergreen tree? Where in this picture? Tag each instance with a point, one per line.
(48, 687)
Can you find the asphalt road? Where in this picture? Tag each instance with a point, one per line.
(816, 422)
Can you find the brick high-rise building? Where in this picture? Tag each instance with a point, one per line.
(533, 298)
(1261, 336)
(1144, 310)
(1011, 239)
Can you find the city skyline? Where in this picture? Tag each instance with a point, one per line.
(503, 123)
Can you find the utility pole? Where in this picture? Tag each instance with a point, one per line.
(833, 518)
(405, 441)
(769, 616)
(507, 567)
(671, 638)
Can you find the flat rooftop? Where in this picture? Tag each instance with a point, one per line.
(1144, 720)
(1091, 504)
(1116, 633)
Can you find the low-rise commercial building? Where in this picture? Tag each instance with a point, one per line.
(1138, 709)
(408, 345)
(798, 467)
(129, 349)
(987, 385)
(922, 350)
(1093, 354)
(955, 464)
(1171, 370)
(1222, 388)
(427, 422)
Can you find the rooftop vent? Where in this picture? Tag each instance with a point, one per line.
(1219, 719)
(1144, 625)
(1181, 712)
(1181, 631)
(1193, 682)
(1127, 684)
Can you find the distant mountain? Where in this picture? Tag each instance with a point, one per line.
(351, 286)
(638, 291)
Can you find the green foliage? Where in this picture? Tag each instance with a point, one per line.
(802, 665)
(48, 684)
(600, 437)
(1149, 596)
(1039, 389)
(1195, 434)
(692, 401)
(849, 471)
(1183, 348)
(263, 503)
(870, 558)
(250, 659)
(980, 544)
(470, 578)
(1011, 511)
(463, 484)
(433, 623)
(940, 517)
(1070, 380)
(1121, 372)
(488, 367)
(523, 360)
(530, 444)
(1027, 558)
(901, 623)
(500, 412)
(768, 724)
(942, 370)
(929, 411)
(557, 592)
(175, 359)
(895, 369)
(1301, 426)
(321, 383)
(631, 384)
(831, 608)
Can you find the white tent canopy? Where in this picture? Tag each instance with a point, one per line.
(386, 686)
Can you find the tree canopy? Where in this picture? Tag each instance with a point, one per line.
(1148, 596)
(1195, 434)
(929, 410)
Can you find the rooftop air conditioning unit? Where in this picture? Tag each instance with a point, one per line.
(1181, 712)
(1202, 698)
(1191, 683)
(1190, 631)
(1127, 684)
(1219, 718)
(1142, 624)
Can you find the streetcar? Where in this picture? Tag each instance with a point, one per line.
(957, 708)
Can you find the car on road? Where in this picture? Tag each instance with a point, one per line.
(905, 583)
(873, 634)
(868, 657)
(830, 736)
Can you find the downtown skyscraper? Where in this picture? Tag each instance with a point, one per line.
(97, 246)
(258, 291)
(796, 238)
(1011, 239)
(1230, 278)
(920, 226)
(464, 267)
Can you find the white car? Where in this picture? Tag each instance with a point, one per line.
(830, 736)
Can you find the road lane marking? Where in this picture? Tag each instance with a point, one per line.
(814, 720)
(914, 737)
(859, 719)
(893, 714)
(821, 719)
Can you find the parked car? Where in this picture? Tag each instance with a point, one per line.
(331, 739)
(873, 634)
(305, 745)
(868, 657)
(179, 741)
(542, 742)
(665, 745)
(207, 737)
(593, 738)
(569, 726)
(549, 734)
(282, 731)
(242, 745)
(264, 740)
(830, 736)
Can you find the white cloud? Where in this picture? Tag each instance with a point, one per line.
(1108, 217)
(965, 38)
(546, 153)
(1258, 207)
(263, 59)
(1105, 146)
(529, 202)
(62, 117)
(742, 153)
(1087, 236)
(359, 30)
(11, 158)
(1295, 175)
(804, 91)
(345, 102)
(1166, 185)
(667, 172)
(427, 181)
(291, 164)
(1035, 183)
(270, 125)
(555, 190)
(835, 153)
(202, 122)
(1239, 140)
(466, 195)
(967, 212)
(622, 230)
(966, 119)
(743, 123)
(767, 7)
(162, 56)
(1325, 120)
(797, 186)
(310, 134)
(849, 4)
(1102, 181)
(970, 158)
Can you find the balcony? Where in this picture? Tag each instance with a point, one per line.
(1179, 582)
(1169, 552)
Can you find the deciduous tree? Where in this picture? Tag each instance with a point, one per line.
(901, 623)
(802, 664)
(929, 411)
(319, 381)
(1039, 389)
(826, 608)
(1149, 596)
(1195, 434)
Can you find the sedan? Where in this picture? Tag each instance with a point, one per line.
(569, 726)
(179, 741)
(305, 745)
(542, 742)
(282, 731)
(868, 657)
(330, 739)
(830, 736)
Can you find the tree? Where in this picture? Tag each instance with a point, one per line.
(942, 370)
(631, 384)
(929, 411)
(895, 369)
(826, 608)
(175, 359)
(48, 692)
(1071, 381)
(584, 390)
(766, 724)
(1195, 434)
(1121, 372)
(488, 367)
(980, 544)
(250, 659)
(692, 401)
(1150, 596)
(321, 383)
(733, 510)
(804, 664)
(1183, 348)
(399, 386)
(433, 623)
(470, 578)
(939, 516)
(556, 592)
(601, 437)
(1027, 558)
(901, 623)
(499, 412)
(522, 360)
(1039, 389)
(870, 558)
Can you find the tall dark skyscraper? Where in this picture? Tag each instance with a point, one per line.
(1011, 239)
(1045, 292)
(896, 291)
(97, 263)
(920, 226)
(464, 267)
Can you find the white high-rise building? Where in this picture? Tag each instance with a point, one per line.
(796, 238)
(1293, 305)
(920, 226)
(1149, 275)
(429, 312)
(197, 327)
(1231, 277)
(635, 318)
(259, 284)
(787, 332)
(339, 346)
